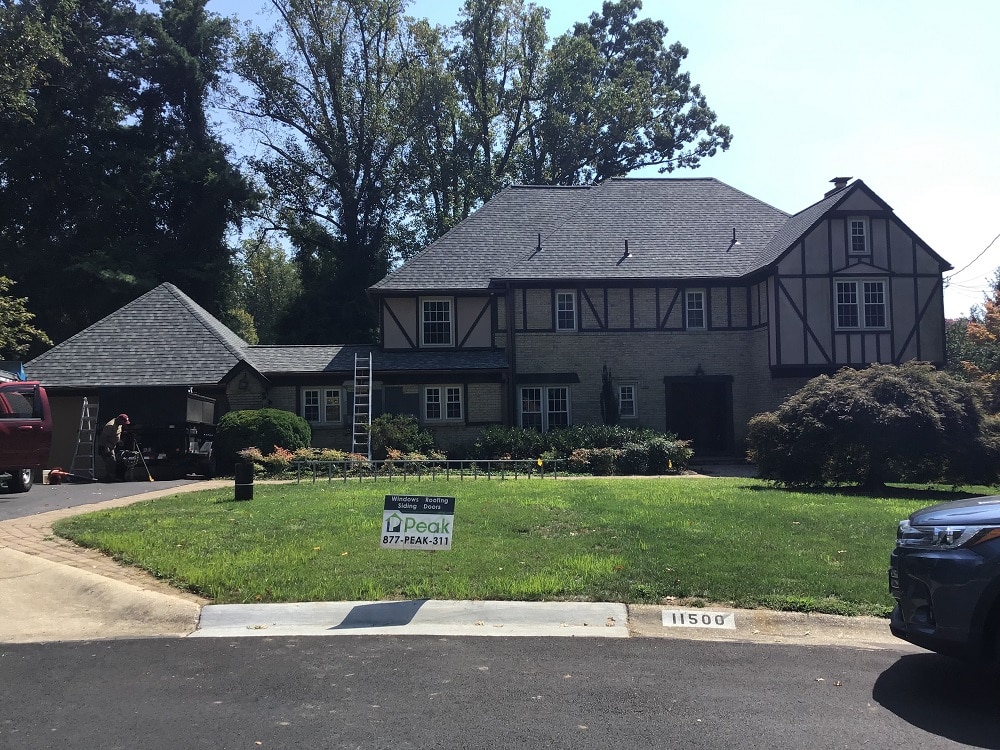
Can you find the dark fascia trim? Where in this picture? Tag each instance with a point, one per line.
(806, 371)
(388, 377)
(425, 377)
(546, 378)
(667, 379)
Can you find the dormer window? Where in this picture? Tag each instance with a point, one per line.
(436, 322)
(858, 226)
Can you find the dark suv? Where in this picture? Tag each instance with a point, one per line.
(945, 577)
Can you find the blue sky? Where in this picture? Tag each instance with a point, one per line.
(904, 95)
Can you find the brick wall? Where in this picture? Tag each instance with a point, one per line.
(646, 358)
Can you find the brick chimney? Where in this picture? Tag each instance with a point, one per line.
(839, 183)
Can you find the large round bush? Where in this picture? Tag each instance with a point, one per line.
(881, 424)
(258, 428)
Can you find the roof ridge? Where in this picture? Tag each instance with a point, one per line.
(207, 320)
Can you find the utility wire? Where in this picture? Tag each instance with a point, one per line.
(966, 266)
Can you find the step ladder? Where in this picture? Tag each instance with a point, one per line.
(83, 459)
(362, 443)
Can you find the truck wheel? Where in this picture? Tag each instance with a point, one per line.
(23, 479)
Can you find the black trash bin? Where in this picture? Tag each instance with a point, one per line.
(244, 481)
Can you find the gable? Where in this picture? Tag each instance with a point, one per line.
(824, 225)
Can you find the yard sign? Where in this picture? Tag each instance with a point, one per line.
(417, 522)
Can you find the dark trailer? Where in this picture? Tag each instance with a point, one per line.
(172, 427)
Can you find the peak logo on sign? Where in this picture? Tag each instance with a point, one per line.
(394, 523)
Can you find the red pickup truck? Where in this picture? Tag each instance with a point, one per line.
(25, 433)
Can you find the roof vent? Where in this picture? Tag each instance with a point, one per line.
(839, 183)
(625, 256)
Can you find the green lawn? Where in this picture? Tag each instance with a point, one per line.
(738, 542)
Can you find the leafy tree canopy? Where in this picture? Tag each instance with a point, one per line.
(113, 180)
(974, 345)
(17, 331)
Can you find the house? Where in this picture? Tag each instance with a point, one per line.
(706, 306)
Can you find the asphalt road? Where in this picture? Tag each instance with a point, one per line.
(46, 497)
(377, 692)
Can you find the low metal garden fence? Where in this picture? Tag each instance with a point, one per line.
(448, 469)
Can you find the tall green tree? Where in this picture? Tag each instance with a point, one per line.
(324, 92)
(197, 193)
(614, 99)
(602, 100)
(114, 181)
(267, 285)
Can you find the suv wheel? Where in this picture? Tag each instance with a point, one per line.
(23, 479)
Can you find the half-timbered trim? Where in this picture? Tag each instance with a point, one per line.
(487, 307)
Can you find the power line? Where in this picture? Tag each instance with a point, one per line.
(966, 266)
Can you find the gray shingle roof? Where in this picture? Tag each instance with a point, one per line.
(675, 228)
(271, 360)
(476, 251)
(161, 338)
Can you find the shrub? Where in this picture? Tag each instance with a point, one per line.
(497, 441)
(883, 423)
(400, 432)
(277, 462)
(263, 428)
(319, 454)
(603, 460)
(633, 458)
(637, 450)
(668, 455)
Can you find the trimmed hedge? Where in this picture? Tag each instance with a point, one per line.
(595, 449)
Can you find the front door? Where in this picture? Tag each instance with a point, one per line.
(700, 409)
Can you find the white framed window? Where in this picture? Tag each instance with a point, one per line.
(436, 322)
(565, 311)
(321, 405)
(443, 403)
(857, 230)
(861, 304)
(544, 408)
(626, 401)
(694, 307)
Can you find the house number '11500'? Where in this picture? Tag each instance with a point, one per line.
(686, 618)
